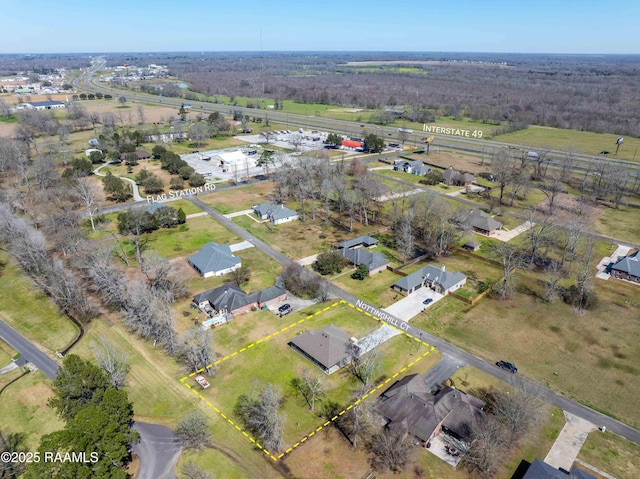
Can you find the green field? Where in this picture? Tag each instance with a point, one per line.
(622, 224)
(612, 454)
(578, 141)
(240, 198)
(27, 309)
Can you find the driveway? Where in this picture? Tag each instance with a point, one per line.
(564, 451)
(134, 185)
(240, 246)
(443, 370)
(507, 235)
(158, 451)
(620, 251)
(412, 305)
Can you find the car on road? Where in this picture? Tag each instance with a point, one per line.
(428, 301)
(284, 307)
(507, 366)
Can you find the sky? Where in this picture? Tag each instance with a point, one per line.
(513, 26)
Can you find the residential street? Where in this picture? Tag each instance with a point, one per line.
(158, 451)
(446, 348)
(28, 351)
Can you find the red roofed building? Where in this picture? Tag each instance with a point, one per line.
(351, 144)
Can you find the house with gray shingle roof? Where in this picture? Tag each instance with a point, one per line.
(375, 262)
(364, 240)
(275, 213)
(541, 470)
(479, 221)
(415, 167)
(627, 268)
(328, 348)
(214, 260)
(230, 299)
(457, 178)
(438, 279)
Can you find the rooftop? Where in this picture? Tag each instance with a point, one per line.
(446, 279)
(327, 346)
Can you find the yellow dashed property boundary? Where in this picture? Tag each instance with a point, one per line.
(195, 391)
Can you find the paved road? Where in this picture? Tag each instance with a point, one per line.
(446, 348)
(158, 450)
(28, 351)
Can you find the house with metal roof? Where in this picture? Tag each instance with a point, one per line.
(541, 470)
(627, 268)
(44, 105)
(409, 407)
(328, 348)
(275, 213)
(214, 260)
(438, 279)
(415, 167)
(478, 221)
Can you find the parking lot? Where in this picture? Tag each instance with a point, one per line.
(308, 140)
(413, 304)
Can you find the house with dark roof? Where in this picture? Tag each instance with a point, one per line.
(328, 348)
(275, 213)
(214, 260)
(541, 470)
(415, 167)
(457, 178)
(438, 279)
(375, 262)
(627, 268)
(408, 407)
(471, 246)
(365, 241)
(140, 155)
(230, 299)
(478, 221)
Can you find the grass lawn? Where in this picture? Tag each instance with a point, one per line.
(401, 175)
(186, 205)
(595, 356)
(6, 353)
(580, 141)
(24, 409)
(221, 143)
(28, 310)
(622, 224)
(612, 454)
(299, 239)
(185, 239)
(375, 289)
(239, 198)
(273, 361)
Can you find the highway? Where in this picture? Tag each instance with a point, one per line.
(458, 354)
(479, 146)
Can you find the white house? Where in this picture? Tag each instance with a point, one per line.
(275, 213)
(44, 105)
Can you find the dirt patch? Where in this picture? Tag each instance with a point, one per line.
(567, 207)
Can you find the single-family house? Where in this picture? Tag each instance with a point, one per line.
(415, 167)
(375, 262)
(214, 260)
(229, 299)
(457, 178)
(408, 407)
(438, 279)
(328, 348)
(140, 155)
(541, 470)
(275, 213)
(478, 221)
(627, 268)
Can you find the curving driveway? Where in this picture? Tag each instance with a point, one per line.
(134, 185)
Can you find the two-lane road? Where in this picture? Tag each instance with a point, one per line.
(28, 351)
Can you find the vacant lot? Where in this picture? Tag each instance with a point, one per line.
(28, 310)
(591, 358)
(375, 289)
(240, 198)
(273, 361)
(611, 454)
(622, 224)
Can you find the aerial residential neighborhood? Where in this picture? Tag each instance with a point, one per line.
(276, 241)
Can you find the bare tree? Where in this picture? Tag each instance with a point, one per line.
(511, 259)
(193, 431)
(391, 450)
(195, 350)
(113, 362)
(141, 117)
(538, 235)
(502, 169)
(259, 412)
(309, 386)
(191, 471)
(364, 360)
(487, 449)
(86, 192)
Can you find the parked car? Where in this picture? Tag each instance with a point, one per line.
(428, 301)
(284, 307)
(507, 366)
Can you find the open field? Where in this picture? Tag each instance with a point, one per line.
(592, 358)
(375, 289)
(611, 454)
(579, 141)
(239, 198)
(328, 456)
(623, 224)
(273, 361)
(24, 409)
(28, 310)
